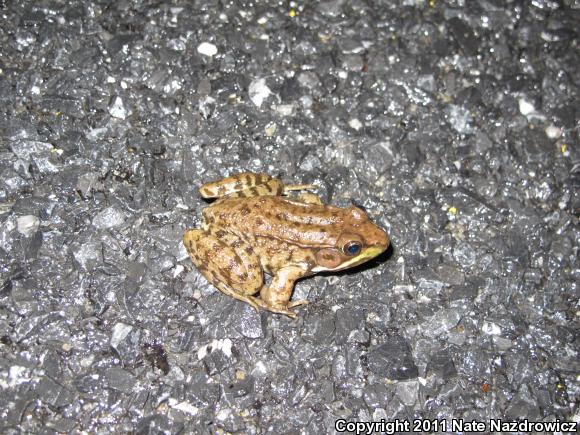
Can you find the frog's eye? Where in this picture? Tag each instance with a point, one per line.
(352, 248)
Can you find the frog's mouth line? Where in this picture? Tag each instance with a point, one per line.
(367, 254)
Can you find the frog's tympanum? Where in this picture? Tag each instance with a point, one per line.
(253, 228)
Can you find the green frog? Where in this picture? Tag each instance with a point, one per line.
(253, 227)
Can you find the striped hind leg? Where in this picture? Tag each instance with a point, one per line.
(248, 184)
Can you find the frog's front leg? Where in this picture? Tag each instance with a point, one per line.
(276, 296)
(227, 262)
(248, 184)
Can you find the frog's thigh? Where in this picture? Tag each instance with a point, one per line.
(225, 261)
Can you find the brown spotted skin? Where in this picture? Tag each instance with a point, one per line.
(252, 229)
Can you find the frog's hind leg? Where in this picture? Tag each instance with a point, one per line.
(249, 184)
(245, 184)
(226, 262)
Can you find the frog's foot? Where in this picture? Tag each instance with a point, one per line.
(293, 187)
(276, 309)
(309, 198)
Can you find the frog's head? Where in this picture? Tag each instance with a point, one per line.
(359, 241)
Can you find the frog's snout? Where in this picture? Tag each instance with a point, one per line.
(377, 238)
(385, 240)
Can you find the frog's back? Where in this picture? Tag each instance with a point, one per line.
(277, 217)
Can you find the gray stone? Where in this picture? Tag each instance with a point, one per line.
(392, 359)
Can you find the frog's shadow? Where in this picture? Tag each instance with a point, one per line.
(375, 262)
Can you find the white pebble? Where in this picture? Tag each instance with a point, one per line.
(223, 414)
(27, 225)
(120, 332)
(285, 109)
(355, 124)
(491, 328)
(225, 345)
(207, 49)
(117, 109)
(270, 129)
(526, 107)
(186, 407)
(87, 361)
(259, 91)
(17, 375)
(202, 352)
(109, 218)
(553, 132)
(177, 270)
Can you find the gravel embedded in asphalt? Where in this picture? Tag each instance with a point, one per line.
(454, 124)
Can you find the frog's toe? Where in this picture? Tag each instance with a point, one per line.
(284, 310)
(254, 303)
(297, 303)
(292, 187)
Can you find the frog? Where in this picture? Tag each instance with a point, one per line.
(257, 226)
